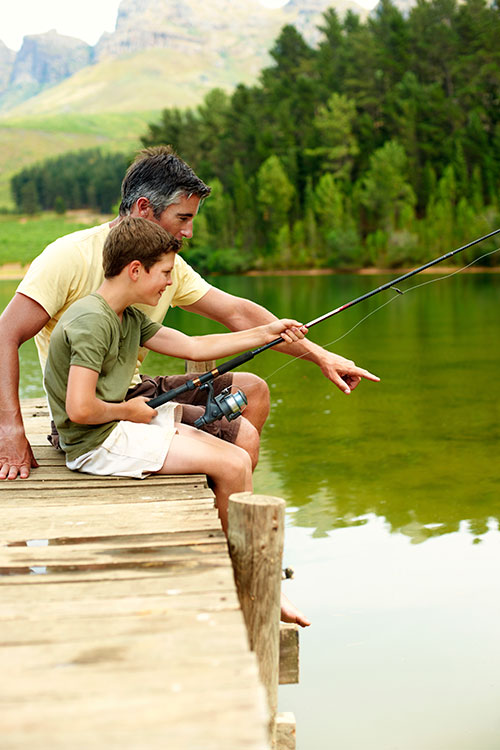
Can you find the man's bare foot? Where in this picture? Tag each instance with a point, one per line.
(290, 613)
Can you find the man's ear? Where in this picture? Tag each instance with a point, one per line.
(143, 208)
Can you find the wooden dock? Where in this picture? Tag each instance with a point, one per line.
(120, 625)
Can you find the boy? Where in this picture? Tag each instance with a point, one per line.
(92, 356)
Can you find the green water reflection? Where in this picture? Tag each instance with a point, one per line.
(418, 449)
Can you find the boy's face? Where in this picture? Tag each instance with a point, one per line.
(151, 284)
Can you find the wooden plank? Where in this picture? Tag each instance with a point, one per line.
(285, 731)
(45, 641)
(289, 654)
(64, 497)
(24, 607)
(116, 546)
(57, 471)
(193, 536)
(51, 480)
(44, 523)
(120, 557)
(174, 717)
(119, 583)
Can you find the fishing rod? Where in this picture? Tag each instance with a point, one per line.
(230, 405)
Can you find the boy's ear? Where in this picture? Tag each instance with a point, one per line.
(134, 269)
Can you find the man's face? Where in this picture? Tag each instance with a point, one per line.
(176, 218)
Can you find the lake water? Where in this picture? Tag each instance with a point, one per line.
(393, 504)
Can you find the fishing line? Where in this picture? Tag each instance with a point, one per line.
(384, 304)
(226, 401)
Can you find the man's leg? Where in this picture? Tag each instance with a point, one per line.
(255, 414)
(257, 392)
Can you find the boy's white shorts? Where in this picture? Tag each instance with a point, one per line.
(133, 449)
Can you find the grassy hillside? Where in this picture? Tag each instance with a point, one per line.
(24, 141)
(108, 105)
(23, 238)
(150, 80)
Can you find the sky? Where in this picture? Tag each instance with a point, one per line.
(85, 21)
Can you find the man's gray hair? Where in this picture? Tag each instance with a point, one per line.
(162, 177)
(157, 199)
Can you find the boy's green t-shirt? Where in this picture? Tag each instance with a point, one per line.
(90, 334)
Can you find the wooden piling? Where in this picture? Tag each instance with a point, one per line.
(289, 654)
(285, 731)
(256, 532)
(199, 367)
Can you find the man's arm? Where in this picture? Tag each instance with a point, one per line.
(237, 313)
(20, 321)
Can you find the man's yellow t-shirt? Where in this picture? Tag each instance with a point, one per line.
(71, 267)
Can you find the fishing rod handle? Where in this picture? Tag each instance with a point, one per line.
(232, 363)
(163, 398)
(206, 377)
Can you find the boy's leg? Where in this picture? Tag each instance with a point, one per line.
(228, 466)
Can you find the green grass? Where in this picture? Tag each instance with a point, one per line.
(22, 238)
(121, 126)
(29, 140)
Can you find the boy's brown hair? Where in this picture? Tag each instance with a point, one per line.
(136, 239)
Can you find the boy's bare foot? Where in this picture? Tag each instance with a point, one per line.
(290, 613)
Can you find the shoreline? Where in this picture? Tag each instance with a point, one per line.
(372, 271)
(13, 271)
(16, 271)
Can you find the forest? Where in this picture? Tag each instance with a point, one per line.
(379, 146)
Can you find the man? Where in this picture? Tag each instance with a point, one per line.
(160, 187)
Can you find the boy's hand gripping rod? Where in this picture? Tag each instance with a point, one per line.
(231, 364)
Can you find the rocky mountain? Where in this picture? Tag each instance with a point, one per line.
(44, 60)
(7, 58)
(220, 43)
(190, 26)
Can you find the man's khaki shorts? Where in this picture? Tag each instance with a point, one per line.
(193, 402)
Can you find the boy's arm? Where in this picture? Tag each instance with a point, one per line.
(83, 406)
(198, 348)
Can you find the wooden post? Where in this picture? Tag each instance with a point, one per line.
(255, 534)
(285, 731)
(202, 367)
(289, 653)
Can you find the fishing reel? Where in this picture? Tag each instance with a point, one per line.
(226, 404)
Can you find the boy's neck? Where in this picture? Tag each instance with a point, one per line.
(117, 294)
